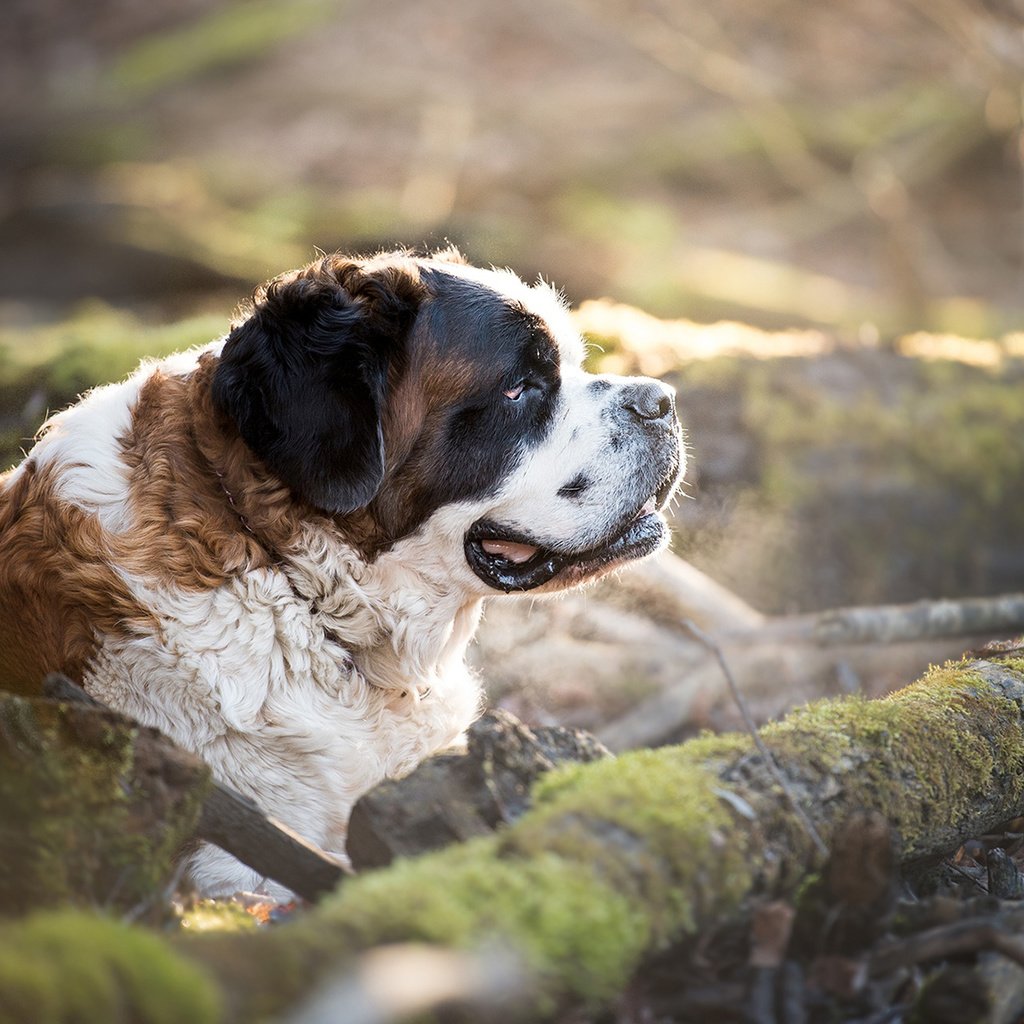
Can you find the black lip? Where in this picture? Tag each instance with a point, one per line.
(640, 537)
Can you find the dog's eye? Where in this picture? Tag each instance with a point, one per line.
(515, 393)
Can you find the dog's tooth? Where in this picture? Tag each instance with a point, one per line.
(509, 549)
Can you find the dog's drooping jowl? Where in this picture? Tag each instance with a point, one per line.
(275, 548)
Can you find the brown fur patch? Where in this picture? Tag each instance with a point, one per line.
(205, 509)
(434, 381)
(184, 529)
(58, 587)
(59, 590)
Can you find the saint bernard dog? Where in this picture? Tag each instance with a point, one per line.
(275, 548)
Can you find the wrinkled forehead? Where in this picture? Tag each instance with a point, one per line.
(487, 312)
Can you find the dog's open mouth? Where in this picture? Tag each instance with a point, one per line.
(508, 560)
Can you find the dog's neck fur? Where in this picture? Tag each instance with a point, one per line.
(406, 627)
(404, 619)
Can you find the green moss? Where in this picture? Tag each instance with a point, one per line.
(977, 414)
(1015, 663)
(53, 797)
(44, 368)
(97, 344)
(619, 856)
(614, 858)
(580, 936)
(73, 967)
(937, 743)
(569, 924)
(628, 819)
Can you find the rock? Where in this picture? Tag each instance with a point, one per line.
(453, 797)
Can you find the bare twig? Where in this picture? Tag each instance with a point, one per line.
(163, 896)
(970, 936)
(967, 876)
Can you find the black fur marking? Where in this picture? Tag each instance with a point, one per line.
(488, 345)
(575, 487)
(305, 377)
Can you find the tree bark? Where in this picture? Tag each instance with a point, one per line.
(94, 808)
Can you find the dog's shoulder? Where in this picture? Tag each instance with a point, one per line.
(92, 521)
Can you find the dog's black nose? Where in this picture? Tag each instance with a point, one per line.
(649, 400)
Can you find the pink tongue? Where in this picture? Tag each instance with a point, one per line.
(509, 550)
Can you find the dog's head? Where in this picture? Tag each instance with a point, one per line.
(423, 391)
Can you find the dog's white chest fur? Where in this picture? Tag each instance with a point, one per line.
(269, 677)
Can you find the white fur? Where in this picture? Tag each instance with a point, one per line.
(577, 444)
(85, 440)
(246, 675)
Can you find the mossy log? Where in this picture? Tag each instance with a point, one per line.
(619, 857)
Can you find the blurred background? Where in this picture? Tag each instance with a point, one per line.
(847, 164)
(849, 173)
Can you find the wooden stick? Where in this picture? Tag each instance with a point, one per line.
(894, 623)
(970, 936)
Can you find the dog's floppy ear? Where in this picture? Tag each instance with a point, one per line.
(305, 375)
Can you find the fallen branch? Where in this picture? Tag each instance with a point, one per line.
(888, 624)
(778, 662)
(668, 590)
